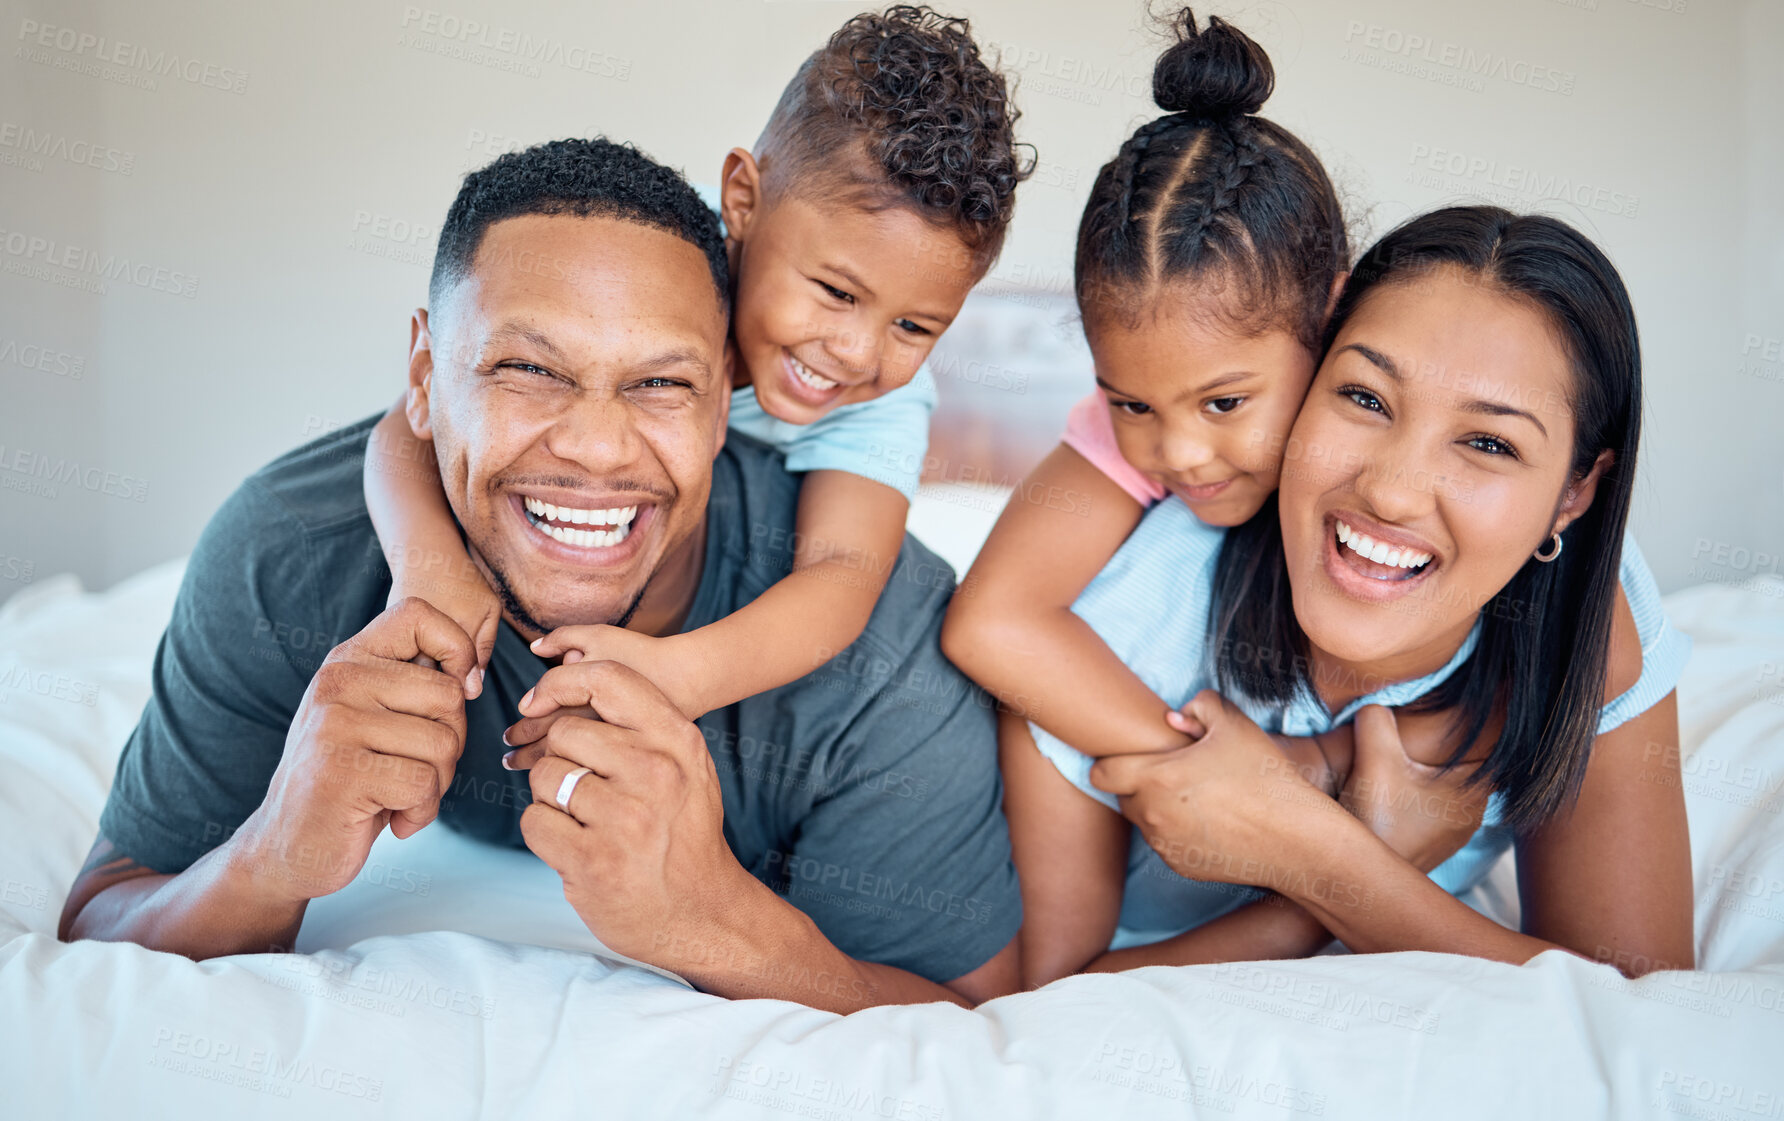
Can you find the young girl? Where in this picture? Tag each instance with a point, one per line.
(1209, 253)
(1209, 256)
(848, 259)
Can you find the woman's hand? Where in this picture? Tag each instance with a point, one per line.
(1231, 807)
(1422, 811)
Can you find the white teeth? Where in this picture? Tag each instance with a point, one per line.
(618, 518)
(1378, 551)
(613, 515)
(816, 381)
(586, 538)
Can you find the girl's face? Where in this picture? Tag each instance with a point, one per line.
(1200, 409)
(1432, 458)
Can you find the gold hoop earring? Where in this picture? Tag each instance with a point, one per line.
(1553, 553)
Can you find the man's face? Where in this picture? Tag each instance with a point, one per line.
(575, 388)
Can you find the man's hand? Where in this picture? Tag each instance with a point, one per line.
(375, 741)
(642, 852)
(641, 847)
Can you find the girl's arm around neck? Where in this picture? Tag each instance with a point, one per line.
(1011, 627)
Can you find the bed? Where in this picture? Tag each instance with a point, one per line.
(452, 980)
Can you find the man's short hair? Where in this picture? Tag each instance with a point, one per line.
(898, 108)
(583, 178)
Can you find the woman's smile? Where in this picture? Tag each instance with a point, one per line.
(1374, 566)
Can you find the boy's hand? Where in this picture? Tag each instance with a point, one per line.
(465, 598)
(662, 661)
(1423, 812)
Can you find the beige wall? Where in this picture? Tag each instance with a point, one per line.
(286, 181)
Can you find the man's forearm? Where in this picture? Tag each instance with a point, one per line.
(210, 910)
(769, 948)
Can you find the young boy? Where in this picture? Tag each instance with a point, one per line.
(877, 196)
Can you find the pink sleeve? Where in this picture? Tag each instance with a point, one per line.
(1090, 433)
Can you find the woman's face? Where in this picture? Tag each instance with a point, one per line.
(1431, 459)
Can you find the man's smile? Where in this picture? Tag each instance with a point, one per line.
(594, 532)
(607, 527)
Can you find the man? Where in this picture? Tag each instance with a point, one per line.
(838, 841)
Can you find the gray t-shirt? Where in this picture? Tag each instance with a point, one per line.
(866, 792)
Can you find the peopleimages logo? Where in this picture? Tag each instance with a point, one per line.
(42, 358)
(27, 141)
(115, 59)
(1464, 62)
(35, 255)
(504, 48)
(258, 1068)
(1446, 169)
(41, 474)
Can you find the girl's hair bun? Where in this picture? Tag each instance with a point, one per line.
(1218, 72)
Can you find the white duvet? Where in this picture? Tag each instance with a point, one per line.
(452, 980)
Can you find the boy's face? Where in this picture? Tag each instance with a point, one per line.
(835, 304)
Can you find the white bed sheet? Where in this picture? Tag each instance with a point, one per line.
(452, 980)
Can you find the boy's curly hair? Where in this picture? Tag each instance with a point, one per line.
(899, 107)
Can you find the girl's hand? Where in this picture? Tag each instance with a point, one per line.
(465, 597)
(1321, 760)
(1423, 812)
(1231, 807)
(663, 661)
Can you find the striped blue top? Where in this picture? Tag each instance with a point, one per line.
(1151, 604)
(884, 439)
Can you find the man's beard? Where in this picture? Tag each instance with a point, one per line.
(517, 612)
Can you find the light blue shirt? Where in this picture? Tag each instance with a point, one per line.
(885, 439)
(1151, 604)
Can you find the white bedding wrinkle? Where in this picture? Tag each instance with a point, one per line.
(452, 980)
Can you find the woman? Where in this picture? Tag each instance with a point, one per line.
(1477, 411)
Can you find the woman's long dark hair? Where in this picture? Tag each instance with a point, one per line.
(1545, 637)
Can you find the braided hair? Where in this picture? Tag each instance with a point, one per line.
(1212, 192)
